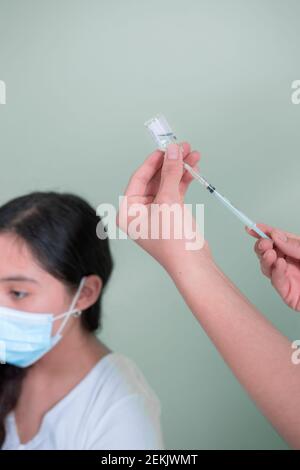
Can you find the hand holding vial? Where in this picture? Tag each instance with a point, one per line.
(159, 184)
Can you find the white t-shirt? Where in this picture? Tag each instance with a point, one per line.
(112, 408)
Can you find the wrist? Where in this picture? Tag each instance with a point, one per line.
(186, 261)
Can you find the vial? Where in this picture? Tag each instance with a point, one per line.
(160, 131)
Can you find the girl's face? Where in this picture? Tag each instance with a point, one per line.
(24, 285)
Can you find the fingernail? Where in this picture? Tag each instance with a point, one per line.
(280, 235)
(172, 152)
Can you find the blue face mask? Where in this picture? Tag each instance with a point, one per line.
(25, 337)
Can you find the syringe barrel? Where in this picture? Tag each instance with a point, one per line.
(233, 209)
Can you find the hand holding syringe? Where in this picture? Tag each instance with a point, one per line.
(163, 136)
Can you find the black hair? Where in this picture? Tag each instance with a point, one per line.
(60, 231)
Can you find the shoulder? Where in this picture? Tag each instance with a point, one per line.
(124, 409)
(117, 377)
(127, 376)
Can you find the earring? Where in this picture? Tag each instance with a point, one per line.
(77, 313)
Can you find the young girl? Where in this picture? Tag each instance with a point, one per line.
(62, 388)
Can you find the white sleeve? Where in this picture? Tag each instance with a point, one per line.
(132, 423)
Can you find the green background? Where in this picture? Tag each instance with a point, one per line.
(82, 77)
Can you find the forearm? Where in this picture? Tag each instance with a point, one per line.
(258, 354)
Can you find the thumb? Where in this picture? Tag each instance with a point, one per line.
(171, 172)
(288, 245)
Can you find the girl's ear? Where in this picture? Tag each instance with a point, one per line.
(90, 292)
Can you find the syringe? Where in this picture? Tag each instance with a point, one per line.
(163, 135)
